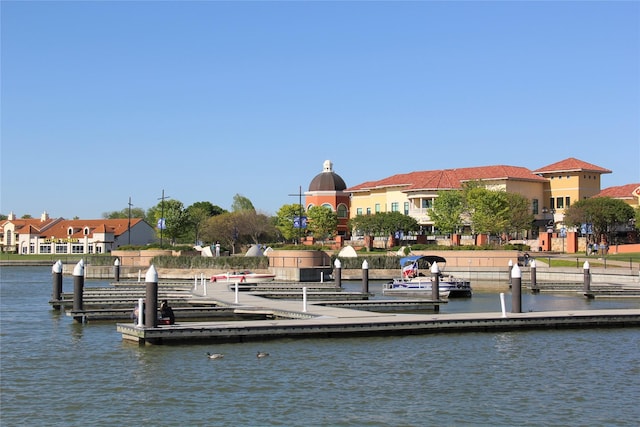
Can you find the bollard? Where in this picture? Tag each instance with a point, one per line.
(139, 276)
(322, 277)
(435, 282)
(502, 304)
(587, 281)
(116, 269)
(516, 290)
(151, 306)
(534, 282)
(140, 317)
(304, 299)
(337, 272)
(510, 269)
(365, 277)
(56, 270)
(78, 289)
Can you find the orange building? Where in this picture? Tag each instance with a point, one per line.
(327, 189)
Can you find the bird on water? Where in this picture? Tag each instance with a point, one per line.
(215, 355)
(261, 354)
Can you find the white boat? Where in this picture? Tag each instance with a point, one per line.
(413, 282)
(246, 277)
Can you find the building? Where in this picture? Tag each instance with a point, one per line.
(77, 236)
(328, 189)
(550, 189)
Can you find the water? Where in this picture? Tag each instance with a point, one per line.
(58, 373)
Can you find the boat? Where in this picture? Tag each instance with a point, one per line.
(245, 276)
(413, 282)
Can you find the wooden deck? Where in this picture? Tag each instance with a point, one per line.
(292, 319)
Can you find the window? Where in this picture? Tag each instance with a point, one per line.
(552, 203)
(377, 207)
(77, 249)
(534, 204)
(368, 211)
(45, 249)
(61, 249)
(567, 201)
(359, 211)
(395, 207)
(406, 208)
(427, 203)
(86, 231)
(342, 211)
(560, 203)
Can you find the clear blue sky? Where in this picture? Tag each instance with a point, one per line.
(102, 101)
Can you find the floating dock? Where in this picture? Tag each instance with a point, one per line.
(296, 319)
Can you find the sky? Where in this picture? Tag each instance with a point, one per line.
(102, 102)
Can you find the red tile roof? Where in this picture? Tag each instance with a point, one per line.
(59, 228)
(627, 191)
(445, 179)
(571, 165)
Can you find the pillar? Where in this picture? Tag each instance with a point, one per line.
(56, 271)
(587, 280)
(534, 282)
(516, 290)
(151, 306)
(365, 277)
(435, 282)
(78, 288)
(116, 269)
(337, 272)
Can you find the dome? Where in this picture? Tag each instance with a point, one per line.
(327, 180)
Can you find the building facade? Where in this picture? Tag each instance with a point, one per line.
(550, 190)
(78, 236)
(328, 189)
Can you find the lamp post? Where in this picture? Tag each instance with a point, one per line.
(161, 223)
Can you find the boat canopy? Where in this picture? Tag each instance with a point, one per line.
(429, 259)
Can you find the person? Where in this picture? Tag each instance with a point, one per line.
(217, 248)
(135, 314)
(166, 312)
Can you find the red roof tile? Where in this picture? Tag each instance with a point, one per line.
(445, 179)
(571, 165)
(621, 192)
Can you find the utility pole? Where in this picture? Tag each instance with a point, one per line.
(129, 223)
(161, 223)
(300, 215)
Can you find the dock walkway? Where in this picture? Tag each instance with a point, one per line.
(326, 321)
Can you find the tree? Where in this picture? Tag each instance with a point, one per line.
(124, 213)
(253, 226)
(175, 219)
(322, 222)
(197, 214)
(605, 214)
(489, 210)
(447, 211)
(241, 203)
(285, 221)
(222, 228)
(521, 216)
(383, 224)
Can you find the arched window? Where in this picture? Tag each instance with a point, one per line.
(342, 210)
(327, 205)
(85, 231)
(69, 231)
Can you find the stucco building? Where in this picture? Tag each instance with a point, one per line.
(72, 236)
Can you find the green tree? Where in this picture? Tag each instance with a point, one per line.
(253, 226)
(241, 203)
(322, 222)
(285, 221)
(520, 214)
(124, 213)
(447, 211)
(488, 210)
(222, 228)
(604, 213)
(196, 215)
(175, 219)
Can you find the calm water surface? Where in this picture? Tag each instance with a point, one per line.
(58, 373)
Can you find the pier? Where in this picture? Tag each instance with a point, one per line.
(296, 319)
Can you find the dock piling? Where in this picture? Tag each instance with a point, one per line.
(304, 299)
(78, 289)
(365, 277)
(587, 281)
(56, 295)
(435, 282)
(116, 269)
(502, 304)
(151, 308)
(516, 290)
(534, 283)
(337, 272)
